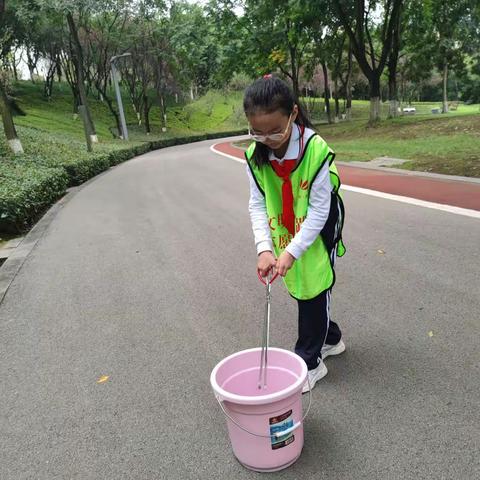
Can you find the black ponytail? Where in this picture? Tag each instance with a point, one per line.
(269, 94)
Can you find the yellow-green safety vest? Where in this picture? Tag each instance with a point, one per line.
(313, 272)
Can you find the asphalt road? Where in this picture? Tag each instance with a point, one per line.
(147, 275)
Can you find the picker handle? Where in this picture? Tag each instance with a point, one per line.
(271, 279)
(262, 376)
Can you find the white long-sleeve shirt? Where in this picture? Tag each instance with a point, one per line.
(318, 206)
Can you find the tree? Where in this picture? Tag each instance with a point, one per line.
(197, 52)
(392, 64)
(338, 66)
(416, 60)
(328, 52)
(40, 37)
(77, 54)
(470, 89)
(103, 40)
(320, 53)
(151, 74)
(269, 35)
(7, 119)
(165, 66)
(138, 73)
(5, 112)
(450, 29)
(73, 52)
(356, 19)
(345, 76)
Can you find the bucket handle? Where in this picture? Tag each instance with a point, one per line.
(276, 434)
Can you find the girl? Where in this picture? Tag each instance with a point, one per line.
(296, 212)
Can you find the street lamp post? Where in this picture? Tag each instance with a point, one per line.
(119, 96)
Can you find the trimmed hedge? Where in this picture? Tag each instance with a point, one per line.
(25, 192)
(29, 186)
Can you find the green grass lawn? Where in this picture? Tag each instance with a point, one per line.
(212, 112)
(50, 132)
(361, 109)
(447, 143)
(442, 144)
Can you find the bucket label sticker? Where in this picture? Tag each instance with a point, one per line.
(278, 425)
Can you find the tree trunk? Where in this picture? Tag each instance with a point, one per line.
(137, 113)
(75, 104)
(374, 109)
(31, 64)
(49, 78)
(146, 113)
(357, 32)
(348, 110)
(115, 114)
(8, 125)
(14, 66)
(327, 92)
(445, 80)
(402, 89)
(348, 113)
(32, 73)
(374, 97)
(337, 103)
(295, 85)
(392, 68)
(392, 84)
(78, 60)
(294, 72)
(135, 98)
(392, 95)
(163, 112)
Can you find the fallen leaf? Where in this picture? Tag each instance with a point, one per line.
(430, 333)
(381, 252)
(103, 379)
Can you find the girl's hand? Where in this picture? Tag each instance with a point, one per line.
(266, 261)
(284, 263)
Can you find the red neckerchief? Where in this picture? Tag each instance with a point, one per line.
(284, 170)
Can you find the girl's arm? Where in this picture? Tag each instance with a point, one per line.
(259, 217)
(317, 214)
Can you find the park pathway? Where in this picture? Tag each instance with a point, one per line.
(147, 276)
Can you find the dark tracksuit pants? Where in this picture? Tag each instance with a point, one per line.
(315, 328)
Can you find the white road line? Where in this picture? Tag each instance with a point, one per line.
(414, 201)
(388, 196)
(239, 160)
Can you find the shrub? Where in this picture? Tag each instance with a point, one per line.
(26, 191)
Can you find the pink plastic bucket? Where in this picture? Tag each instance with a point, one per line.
(265, 425)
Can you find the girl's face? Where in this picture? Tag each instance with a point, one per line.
(273, 129)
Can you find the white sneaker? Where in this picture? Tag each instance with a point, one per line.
(337, 349)
(314, 376)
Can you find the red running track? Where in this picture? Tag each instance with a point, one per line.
(457, 193)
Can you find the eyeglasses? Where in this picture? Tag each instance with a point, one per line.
(274, 137)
